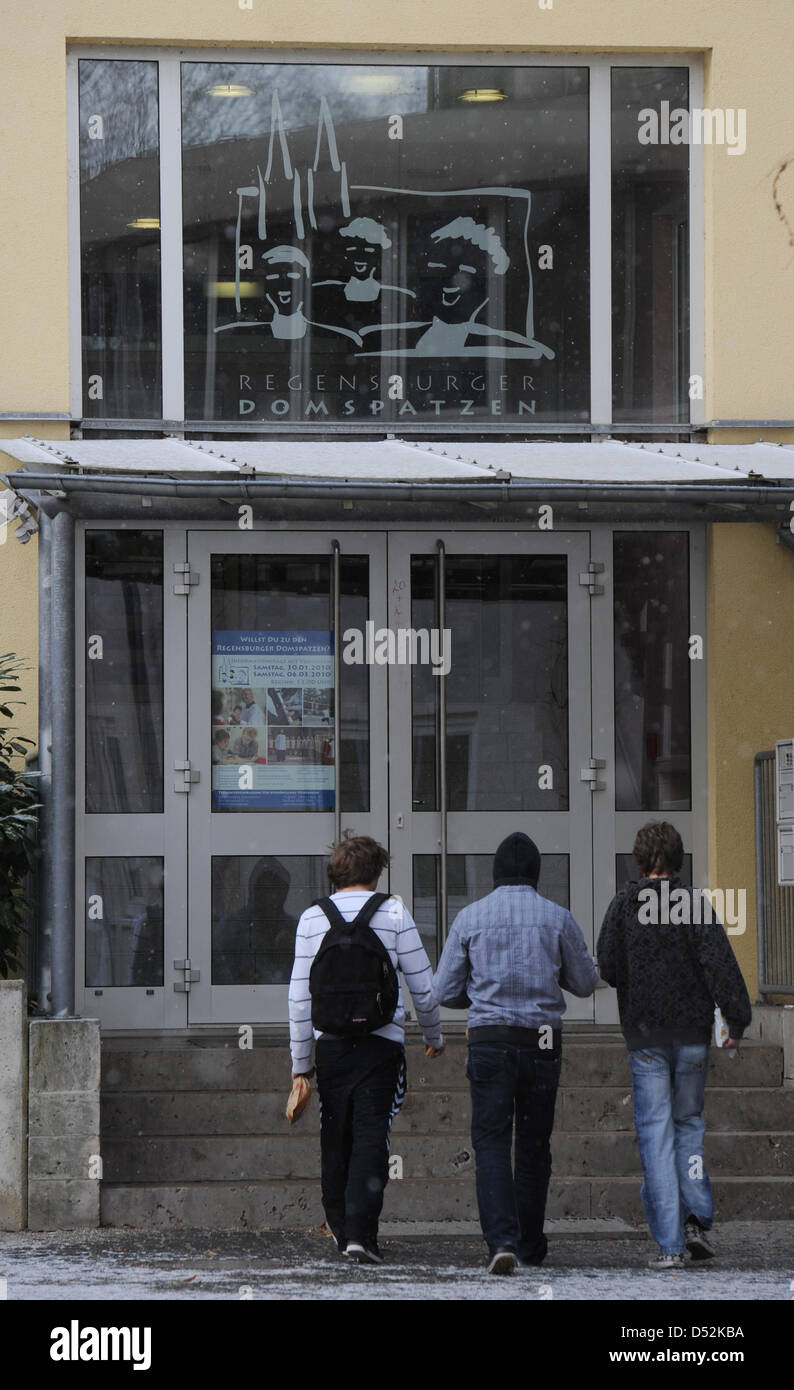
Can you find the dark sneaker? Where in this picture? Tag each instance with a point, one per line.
(336, 1236)
(697, 1242)
(363, 1254)
(662, 1261)
(535, 1260)
(503, 1262)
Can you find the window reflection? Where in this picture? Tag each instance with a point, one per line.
(124, 671)
(120, 238)
(322, 256)
(650, 250)
(652, 670)
(319, 251)
(256, 903)
(124, 922)
(507, 689)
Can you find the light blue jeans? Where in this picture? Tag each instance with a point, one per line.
(669, 1085)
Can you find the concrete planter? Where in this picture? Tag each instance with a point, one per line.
(774, 1024)
(64, 1166)
(13, 1104)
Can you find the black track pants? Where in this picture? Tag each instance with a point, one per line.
(361, 1083)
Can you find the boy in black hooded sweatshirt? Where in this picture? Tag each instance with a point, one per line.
(670, 966)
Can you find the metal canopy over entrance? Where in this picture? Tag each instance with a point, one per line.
(388, 462)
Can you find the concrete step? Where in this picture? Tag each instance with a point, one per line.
(224, 1066)
(604, 1108)
(744, 1108)
(296, 1205)
(244, 1159)
(208, 1111)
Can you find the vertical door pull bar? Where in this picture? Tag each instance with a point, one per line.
(336, 609)
(442, 737)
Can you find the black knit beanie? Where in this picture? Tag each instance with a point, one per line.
(517, 860)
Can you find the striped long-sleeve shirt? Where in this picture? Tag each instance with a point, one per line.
(397, 930)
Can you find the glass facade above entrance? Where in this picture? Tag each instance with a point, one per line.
(383, 243)
(345, 225)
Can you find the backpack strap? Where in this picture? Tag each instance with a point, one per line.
(362, 919)
(331, 911)
(369, 909)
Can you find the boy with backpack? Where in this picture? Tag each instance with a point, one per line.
(345, 997)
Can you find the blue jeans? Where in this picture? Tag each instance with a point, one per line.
(669, 1085)
(512, 1083)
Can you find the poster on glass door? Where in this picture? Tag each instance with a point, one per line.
(272, 720)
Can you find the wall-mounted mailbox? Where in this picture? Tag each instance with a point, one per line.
(784, 810)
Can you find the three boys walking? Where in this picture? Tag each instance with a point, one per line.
(508, 958)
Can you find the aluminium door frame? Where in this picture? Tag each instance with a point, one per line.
(479, 832)
(156, 834)
(215, 833)
(612, 831)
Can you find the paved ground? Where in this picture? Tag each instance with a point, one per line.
(601, 1261)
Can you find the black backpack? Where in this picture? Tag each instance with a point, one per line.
(352, 982)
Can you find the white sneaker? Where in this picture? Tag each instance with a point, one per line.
(662, 1261)
(503, 1262)
(363, 1254)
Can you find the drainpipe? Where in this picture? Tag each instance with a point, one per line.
(44, 780)
(61, 847)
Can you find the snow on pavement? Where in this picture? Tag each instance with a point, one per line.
(123, 1264)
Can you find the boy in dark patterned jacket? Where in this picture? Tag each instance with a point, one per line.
(671, 962)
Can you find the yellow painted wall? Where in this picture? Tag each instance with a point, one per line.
(750, 676)
(749, 211)
(748, 49)
(19, 606)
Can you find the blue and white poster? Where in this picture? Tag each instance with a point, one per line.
(272, 721)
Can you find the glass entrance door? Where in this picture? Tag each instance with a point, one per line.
(445, 747)
(498, 741)
(281, 769)
(224, 741)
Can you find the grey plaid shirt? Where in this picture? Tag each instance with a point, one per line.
(513, 953)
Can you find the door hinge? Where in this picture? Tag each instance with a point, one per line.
(590, 774)
(188, 578)
(589, 581)
(188, 776)
(191, 977)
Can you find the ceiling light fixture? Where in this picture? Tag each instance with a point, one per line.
(226, 289)
(482, 94)
(229, 89)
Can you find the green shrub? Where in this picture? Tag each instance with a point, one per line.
(18, 807)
